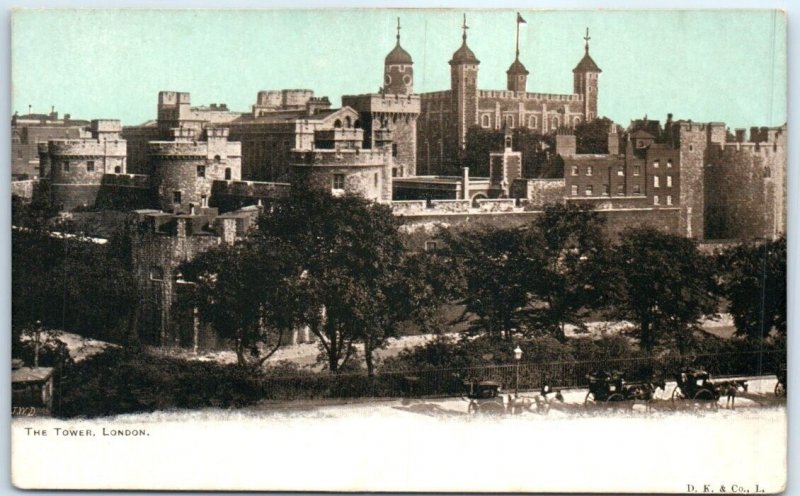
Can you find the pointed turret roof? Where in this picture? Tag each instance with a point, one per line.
(586, 64)
(517, 68)
(464, 55)
(398, 55)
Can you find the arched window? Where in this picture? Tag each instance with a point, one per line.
(337, 123)
(117, 170)
(510, 121)
(532, 122)
(227, 173)
(485, 120)
(347, 121)
(217, 159)
(357, 124)
(555, 123)
(576, 121)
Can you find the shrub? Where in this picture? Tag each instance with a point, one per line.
(124, 381)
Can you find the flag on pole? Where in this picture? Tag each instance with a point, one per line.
(520, 19)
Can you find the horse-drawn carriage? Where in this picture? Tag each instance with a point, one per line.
(696, 385)
(484, 397)
(611, 389)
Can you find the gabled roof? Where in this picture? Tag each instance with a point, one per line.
(642, 134)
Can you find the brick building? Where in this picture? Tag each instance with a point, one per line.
(28, 131)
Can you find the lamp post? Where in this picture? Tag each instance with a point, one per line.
(517, 357)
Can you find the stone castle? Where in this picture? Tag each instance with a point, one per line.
(197, 176)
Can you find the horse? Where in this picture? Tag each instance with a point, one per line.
(644, 392)
(729, 389)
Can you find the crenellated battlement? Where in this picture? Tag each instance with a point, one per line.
(338, 158)
(84, 147)
(550, 97)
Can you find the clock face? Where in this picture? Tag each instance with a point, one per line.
(387, 80)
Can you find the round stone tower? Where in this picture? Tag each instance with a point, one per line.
(185, 169)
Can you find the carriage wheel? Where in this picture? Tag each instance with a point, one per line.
(780, 390)
(677, 395)
(473, 408)
(707, 396)
(616, 401)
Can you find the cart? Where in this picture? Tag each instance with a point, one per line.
(605, 387)
(483, 397)
(695, 385)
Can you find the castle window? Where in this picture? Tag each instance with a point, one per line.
(431, 245)
(217, 159)
(576, 121)
(555, 123)
(485, 121)
(201, 171)
(589, 190)
(376, 180)
(656, 163)
(532, 122)
(117, 170)
(337, 123)
(347, 121)
(176, 197)
(394, 171)
(656, 182)
(637, 190)
(620, 172)
(669, 181)
(767, 172)
(574, 190)
(337, 182)
(394, 149)
(156, 273)
(669, 163)
(636, 170)
(90, 166)
(691, 148)
(620, 190)
(669, 199)
(227, 173)
(574, 170)
(510, 121)
(606, 191)
(65, 165)
(655, 200)
(588, 170)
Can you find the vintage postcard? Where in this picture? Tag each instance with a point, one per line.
(399, 250)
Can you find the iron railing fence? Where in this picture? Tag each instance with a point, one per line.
(532, 376)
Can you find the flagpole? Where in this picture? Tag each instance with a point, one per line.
(517, 35)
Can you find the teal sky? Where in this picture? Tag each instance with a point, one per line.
(725, 66)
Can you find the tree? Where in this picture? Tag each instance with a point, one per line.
(565, 257)
(347, 255)
(247, 293)
(753, 280)
(493, 284)
(664, 284)
(538, 159)
(592, 136)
